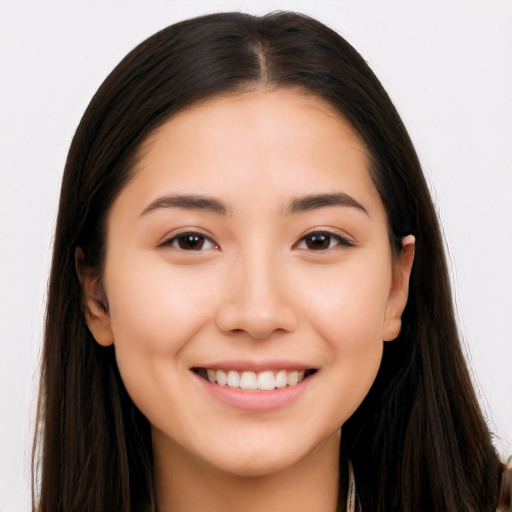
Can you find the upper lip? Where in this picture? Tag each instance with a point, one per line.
(256, 366)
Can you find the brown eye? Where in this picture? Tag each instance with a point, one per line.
(191, 242)
(318, 241)
(323, 241)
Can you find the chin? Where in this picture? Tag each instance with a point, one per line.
(268, 458)
(257, 465)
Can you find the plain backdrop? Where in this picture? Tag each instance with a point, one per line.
(447, 66)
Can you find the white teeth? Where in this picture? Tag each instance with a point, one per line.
(221, 378)
(281, 379)
(266, 381)
(233, 379)
(248, 380)
(293, 378)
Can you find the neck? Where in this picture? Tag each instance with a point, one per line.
(184, 483)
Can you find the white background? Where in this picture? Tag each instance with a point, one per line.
(448, 67)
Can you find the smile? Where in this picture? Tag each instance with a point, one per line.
(267, 380)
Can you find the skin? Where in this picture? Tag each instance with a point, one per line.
(258, 291)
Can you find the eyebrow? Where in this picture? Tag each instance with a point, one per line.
(187, 202)
(314, 201)
(211, 204)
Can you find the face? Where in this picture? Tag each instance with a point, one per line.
(250, 281)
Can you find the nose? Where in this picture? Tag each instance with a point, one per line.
(257, 299)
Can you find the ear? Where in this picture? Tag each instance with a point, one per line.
(94, 302)
(399, 292)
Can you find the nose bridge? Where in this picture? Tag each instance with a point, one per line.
(257, 301)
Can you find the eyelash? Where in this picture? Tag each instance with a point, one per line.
(201, 239)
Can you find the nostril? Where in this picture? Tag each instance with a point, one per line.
(257, 313)
(257, 326)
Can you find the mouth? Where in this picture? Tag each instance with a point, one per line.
(266, 380)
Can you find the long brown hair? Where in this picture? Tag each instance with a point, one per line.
(417, 442)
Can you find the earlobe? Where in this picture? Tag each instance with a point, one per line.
(399, 292)
(94, 303)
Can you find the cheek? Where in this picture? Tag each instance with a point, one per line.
(150, 299)
(349, 304)
(155, 310)
(347, 311)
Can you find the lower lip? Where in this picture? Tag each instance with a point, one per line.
(253, 400)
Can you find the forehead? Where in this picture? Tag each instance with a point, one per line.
(259, 144)
(287, 115)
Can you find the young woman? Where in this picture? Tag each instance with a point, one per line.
(249, 305)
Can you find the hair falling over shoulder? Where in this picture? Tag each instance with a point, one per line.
(505, 496)
(418, 442)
